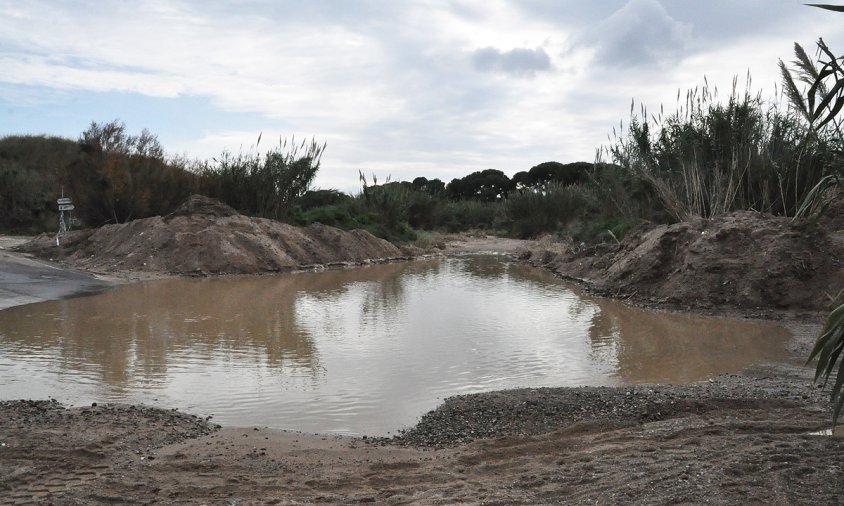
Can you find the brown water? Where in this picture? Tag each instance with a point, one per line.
(359, 351)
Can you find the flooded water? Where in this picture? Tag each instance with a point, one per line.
(358, 351)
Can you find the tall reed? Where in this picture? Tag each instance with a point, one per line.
(711, 157)
(265, 184)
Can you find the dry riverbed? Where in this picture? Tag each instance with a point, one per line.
(737, 439)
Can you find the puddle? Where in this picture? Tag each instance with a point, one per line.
(358, 351)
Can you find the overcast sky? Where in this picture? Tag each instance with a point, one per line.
(400, 88)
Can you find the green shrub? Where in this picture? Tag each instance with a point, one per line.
(822, 109)
(535, 212)
(401, 233)
(602, 230)
(335, 216)
(470, 214)
(710, 157)
(321, 198)
(827, 350)
(25, 199)
(267, 185)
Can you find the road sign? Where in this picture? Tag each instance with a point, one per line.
(63, 201)
(66, 207)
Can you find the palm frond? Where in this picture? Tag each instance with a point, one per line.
(828, 350)
(829, 7)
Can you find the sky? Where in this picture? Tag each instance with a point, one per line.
(433, 88)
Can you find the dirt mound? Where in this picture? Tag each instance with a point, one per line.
(198, 204)
(208, 237)
(741, 260)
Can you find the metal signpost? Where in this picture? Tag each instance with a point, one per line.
(65, 206)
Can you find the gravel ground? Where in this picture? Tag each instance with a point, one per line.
(526, 412)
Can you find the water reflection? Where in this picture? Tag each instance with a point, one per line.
(656, 347)
(360, 351)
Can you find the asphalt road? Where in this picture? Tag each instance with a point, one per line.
(25, 280)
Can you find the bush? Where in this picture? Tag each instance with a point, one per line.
(322, 198)
(602, 231)
(25, 199)
(335, 216)
(821, 108)
(709, 157)
(535, 212)
(389, 202)
(401, 233)
(471, 214)
(267, 185)
(110, 175)
(121, 177)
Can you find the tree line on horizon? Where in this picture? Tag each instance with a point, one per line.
(711, 156)
(113, 177)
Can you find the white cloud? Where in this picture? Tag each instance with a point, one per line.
(521, 62)
(395, 87)
(641, 33)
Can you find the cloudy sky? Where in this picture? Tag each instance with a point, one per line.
(435, 88)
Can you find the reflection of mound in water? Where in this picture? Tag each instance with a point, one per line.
(206, 236)
(742, 259)
(657, 347)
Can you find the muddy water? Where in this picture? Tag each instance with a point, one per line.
(360, 351)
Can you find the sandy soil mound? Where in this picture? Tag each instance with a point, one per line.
(206, 236)
(741, 260)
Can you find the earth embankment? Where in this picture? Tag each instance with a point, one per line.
(742, 260)
(204, 236)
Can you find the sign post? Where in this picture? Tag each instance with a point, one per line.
(65, 206)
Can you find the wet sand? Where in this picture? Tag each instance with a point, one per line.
(737, 440)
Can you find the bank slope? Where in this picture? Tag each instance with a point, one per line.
(744, 260)
(204, 236)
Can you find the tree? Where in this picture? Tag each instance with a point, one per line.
(521, 180)
(120, 177)
(487, 185)
(106, 149)
(433, 187)
(566, 174)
